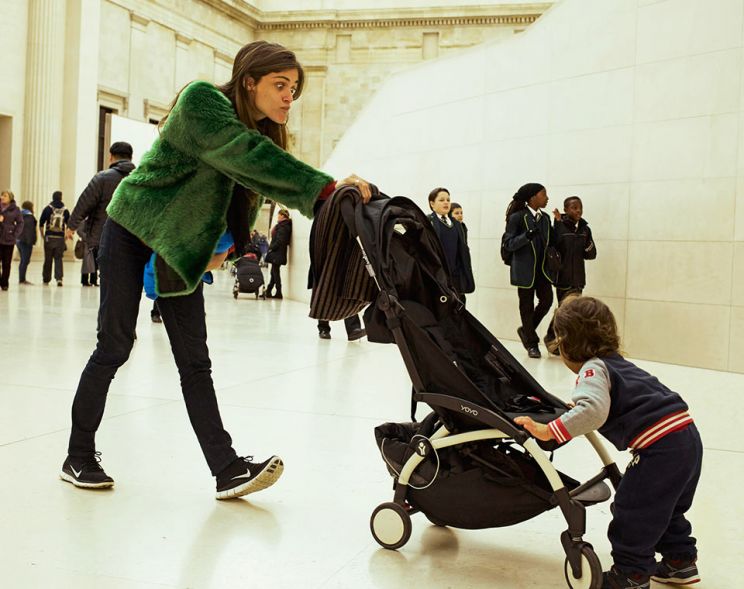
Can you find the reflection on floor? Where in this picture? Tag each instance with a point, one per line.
(282, 390)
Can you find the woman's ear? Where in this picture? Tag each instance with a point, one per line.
(249, 83)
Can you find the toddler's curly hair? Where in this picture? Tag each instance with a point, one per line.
(584, 328)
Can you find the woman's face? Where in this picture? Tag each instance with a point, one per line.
(441, 204)
(457, 214)
(273, 94)
(5, 198)
(539, 201)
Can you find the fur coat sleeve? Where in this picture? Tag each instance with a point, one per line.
(177, 199)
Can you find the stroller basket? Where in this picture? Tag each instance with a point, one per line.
(471, 486)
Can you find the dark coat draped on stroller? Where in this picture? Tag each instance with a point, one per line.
(466, 464)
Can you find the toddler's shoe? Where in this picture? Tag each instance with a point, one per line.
(614, 579)
(678, 572)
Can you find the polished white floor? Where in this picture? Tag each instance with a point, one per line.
(284, 391)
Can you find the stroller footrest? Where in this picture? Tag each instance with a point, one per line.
(596, 493)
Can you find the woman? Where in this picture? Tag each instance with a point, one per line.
(220, 147)
(529, 235)
(452, 236)
(11, 227)
(27, 240)
(281, 233)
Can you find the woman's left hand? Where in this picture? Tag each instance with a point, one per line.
(361, 184)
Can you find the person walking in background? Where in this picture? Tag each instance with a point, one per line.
(528, 235)
(574, 242)
(52, 226)
(456, 214)
(281, 234)
(454, 243)
(27, 240)
(88, 268)
(220, 150)
(92, 202)
(11, 227)
(353, 325)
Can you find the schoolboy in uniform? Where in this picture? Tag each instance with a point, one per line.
(632, 409)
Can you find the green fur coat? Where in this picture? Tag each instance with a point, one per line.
(177, 199)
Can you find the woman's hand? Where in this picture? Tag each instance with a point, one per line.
(361, 184)
(537, 430)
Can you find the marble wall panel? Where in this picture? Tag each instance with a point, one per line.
(499, 121)
(684, 272)
(736, 345)
(113, 65)
(737, 290)
(739, 211)
(671, 210)
(680, 333)
(606, 275)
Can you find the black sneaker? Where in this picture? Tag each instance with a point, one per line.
(244, 476)
(534, 352)
(679, 572)
(614, 579)
(324, 334)
(86, 473)
(156, 318)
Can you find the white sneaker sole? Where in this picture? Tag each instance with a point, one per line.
(71, 479)
(267, 477)
(676, 581)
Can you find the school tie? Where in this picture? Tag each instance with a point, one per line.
(537, 217)
(445, 220)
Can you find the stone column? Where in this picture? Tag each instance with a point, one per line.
(43, 105)
(138, 74)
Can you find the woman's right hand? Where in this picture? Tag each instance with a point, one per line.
(361, 184)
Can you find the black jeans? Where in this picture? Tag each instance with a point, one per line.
(122, 258)
(352, 324)
(54, 249)
(276, 279)
(656, 491)
(530, 313)
(24, 250)
(6, 258)
(561, 293)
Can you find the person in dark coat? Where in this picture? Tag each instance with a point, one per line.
(454, 242)
(573, 239)
(281, 234)
(52, 226)
(457, 215)
(91, 204)
(528, 236)
(11, 227)
(27, 240)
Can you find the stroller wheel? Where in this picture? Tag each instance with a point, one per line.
(235, 294)
(390, 525)
(591, 571)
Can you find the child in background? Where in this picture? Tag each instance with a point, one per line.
(575, 244)
(632, 409)
(27, 240)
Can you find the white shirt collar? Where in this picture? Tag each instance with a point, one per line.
(531, 210)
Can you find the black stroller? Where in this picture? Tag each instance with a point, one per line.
(466, 464)
(248, 275)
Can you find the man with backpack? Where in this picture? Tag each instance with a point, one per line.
(92, 202)
(52, 225)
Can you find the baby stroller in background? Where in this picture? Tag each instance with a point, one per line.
(467, 464)
(248, 275)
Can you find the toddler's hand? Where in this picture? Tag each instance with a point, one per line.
(537, 430)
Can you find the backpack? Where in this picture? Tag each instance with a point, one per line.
(56, 221)
(506, 255)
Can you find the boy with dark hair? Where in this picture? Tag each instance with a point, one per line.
(575, 244)
(632, 409)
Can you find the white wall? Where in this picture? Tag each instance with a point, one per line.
(638, 107)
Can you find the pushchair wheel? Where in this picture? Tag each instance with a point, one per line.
(390, 525)
(591, 571)
(235, 294)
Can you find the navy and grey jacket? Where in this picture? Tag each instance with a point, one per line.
(628, 406)
(28, 235)
(528, 254)
(575, 244)
(92, 203)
